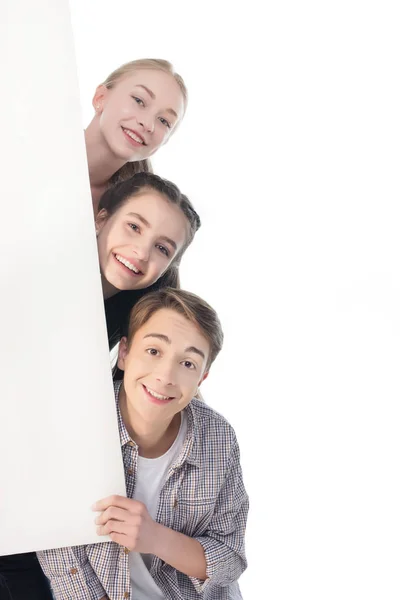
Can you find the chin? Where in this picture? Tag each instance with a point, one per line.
(131, 288)
(137, 156)
(122, 286)
(139, 286)
(125, 154)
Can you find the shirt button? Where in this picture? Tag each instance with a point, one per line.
(126, 595)
(130, 443)
(130, 471)
(126, 550)
(73, 571)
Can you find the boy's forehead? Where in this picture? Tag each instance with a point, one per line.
(178, 329)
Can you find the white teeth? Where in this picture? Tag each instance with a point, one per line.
(127, 263)
(133, 136)
(158, 396)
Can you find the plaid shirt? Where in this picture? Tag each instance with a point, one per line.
(203, 497)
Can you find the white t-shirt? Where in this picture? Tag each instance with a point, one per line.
(150, 478)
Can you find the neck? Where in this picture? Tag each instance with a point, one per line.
(102, 162)
(153, 439)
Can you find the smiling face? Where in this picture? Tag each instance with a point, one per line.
(163, 366)
(139, 241)
(139, 113)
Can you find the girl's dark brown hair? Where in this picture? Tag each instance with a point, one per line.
(117, 195)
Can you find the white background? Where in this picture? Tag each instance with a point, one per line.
(290, 153)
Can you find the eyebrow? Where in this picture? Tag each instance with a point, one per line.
(169, 241)
(142, 219)
(195, 350)
(147, 224)
(153, 96)
(165, 338)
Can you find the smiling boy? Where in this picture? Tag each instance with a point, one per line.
(180, 531)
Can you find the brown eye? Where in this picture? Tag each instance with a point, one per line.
(152, 351)
(188, 364)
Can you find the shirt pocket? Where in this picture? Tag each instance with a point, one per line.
(192, 515)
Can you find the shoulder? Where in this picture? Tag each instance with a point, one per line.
(211, 429)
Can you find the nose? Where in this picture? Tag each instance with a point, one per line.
(166, 372)
(142, 251)
(147, 123)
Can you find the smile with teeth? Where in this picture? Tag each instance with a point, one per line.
(157, 396)
(127, 264)
(132, 135)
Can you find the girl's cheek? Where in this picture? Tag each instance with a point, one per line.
(163, 138)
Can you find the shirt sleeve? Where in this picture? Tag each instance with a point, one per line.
(70, 574)
(223, 543)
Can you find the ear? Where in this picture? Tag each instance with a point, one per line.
(198, 395)
(99, 97)
(203, 378)
(100, 220)
(122, 353)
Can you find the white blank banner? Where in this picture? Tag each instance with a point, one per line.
(59, 443)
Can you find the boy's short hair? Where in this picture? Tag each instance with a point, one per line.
(186, 304)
